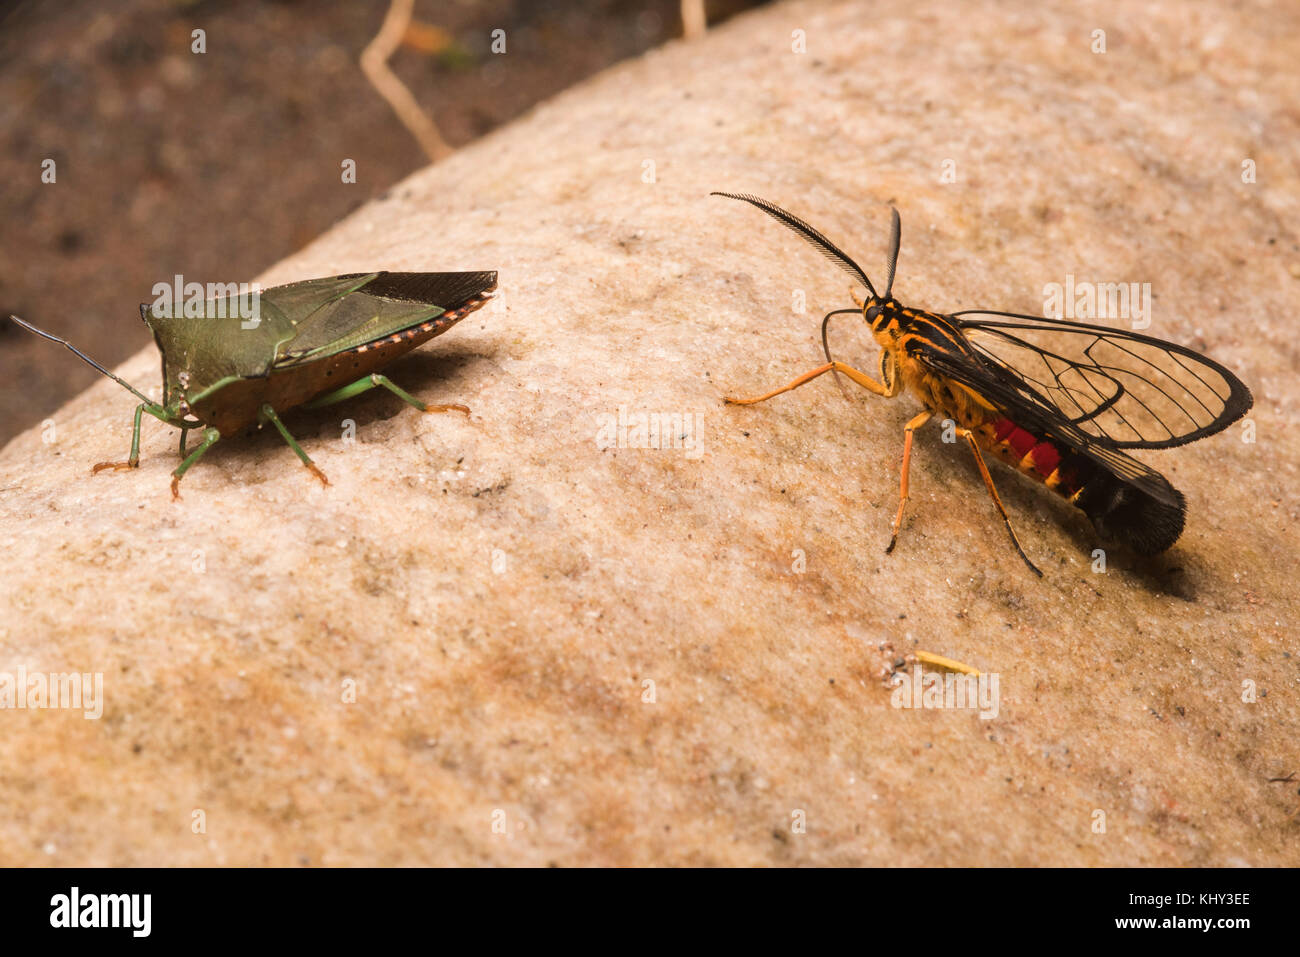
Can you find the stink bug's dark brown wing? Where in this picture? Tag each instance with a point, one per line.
(1120, 389)
(343, 312)
(993, 384)
(448, 289)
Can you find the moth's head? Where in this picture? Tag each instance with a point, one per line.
(877, 310)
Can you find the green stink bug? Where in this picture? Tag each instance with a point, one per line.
(224, 369)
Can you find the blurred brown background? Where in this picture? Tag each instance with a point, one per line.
(216, 165)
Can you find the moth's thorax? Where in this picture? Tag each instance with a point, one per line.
(894, 326)
(899, 330)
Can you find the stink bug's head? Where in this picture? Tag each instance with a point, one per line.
(208, 344)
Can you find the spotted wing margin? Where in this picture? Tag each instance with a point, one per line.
(1121, 389)
(1034, 414)
(343, 312)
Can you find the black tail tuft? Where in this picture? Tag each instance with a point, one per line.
(1132, 517)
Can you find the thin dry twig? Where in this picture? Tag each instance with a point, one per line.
(695, 21)
(374, 64)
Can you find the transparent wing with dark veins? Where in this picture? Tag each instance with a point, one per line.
(1121, 389)
(990, 382)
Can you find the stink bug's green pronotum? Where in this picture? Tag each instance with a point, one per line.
(310, 343)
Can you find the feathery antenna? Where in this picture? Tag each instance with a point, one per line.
(811, 235)
(895, 237)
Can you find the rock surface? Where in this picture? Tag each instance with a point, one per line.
(444, 656)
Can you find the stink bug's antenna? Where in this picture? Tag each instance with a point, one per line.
(895, 236)
(824, 245)
(85, 358)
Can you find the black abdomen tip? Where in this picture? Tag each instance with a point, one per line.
(1132, 517)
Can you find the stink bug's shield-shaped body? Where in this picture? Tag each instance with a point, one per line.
(1060, 401)
(307, 343)
(308, 337)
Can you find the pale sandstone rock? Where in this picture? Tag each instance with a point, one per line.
(520, 690)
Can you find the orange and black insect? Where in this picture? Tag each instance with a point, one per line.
(1058, 400)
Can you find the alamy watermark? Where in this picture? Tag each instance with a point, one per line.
(947, 690)
(215, 300)
(129, 911)
(683, 431)
(56, 690)
(1098, 300)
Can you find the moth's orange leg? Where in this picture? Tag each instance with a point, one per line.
(908, 429)
(969, 436)
(853, 294)
(861, 378)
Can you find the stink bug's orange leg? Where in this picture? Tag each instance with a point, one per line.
(861, 378)
(269, 413)
(210, 437)
(368, 383)
(969, 436)
(134, 460)
(908, 429)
